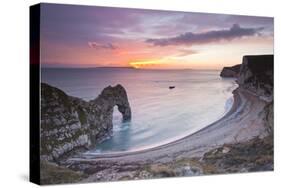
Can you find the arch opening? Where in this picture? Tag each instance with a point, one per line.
(117, 117)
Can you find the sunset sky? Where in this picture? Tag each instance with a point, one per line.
(88, 36)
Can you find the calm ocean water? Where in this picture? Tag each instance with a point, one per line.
(159, 115)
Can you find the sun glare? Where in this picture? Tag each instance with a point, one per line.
(143, 64)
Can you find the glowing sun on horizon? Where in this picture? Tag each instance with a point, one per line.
(143, 64)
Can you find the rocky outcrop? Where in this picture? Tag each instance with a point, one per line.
(110, 97)
(230, 72)
(69, 124)
(256, 75)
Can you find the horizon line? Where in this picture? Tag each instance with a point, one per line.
(124, 67)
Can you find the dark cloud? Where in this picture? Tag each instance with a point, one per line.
(107, 46)
(190, 38)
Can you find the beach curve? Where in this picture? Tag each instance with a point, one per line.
(241, 123)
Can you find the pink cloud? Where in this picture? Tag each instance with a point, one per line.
(107, 46)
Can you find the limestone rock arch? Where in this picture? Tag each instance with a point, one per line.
(70, 123)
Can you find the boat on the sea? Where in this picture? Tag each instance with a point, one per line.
(172, 87)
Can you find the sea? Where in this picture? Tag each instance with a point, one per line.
(159, 114)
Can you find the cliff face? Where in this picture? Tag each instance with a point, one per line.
(256, 75)
(69, 124)
(230, 71)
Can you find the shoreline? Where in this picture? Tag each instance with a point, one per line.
(122, 153)
(165, 143)
(246, 108)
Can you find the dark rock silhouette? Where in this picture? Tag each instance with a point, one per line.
(230, 71)
(69, 124)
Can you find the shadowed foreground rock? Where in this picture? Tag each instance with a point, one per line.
(70, 124)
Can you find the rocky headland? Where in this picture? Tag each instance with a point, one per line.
(256, 76)
(230, 72)
(70, 124)
(241, 141)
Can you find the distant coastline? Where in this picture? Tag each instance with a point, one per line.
(88, 67)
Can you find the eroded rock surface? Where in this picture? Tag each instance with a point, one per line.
(69, 124)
